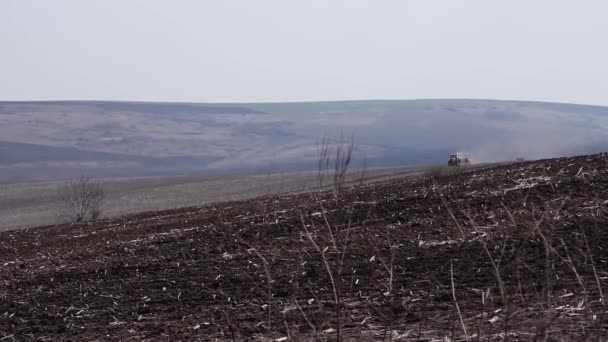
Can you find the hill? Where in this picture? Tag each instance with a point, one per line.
(516, 250)
(237, 137)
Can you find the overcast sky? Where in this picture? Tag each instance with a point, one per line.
(281, 50)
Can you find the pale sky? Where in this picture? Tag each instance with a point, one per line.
(282, 50)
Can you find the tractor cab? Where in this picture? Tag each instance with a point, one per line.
(454, 160)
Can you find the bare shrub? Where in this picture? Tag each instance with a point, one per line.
(363, 171)
(341, 153)
(323, 159)
(344, 151)
(82, 199)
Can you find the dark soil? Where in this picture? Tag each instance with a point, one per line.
(200, 273)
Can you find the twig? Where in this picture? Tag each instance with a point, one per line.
(329, 272)
(597, 278)
(269, 279)
(314, 329)
(453, 217)
(464, 328)
(494, 265)
(331, 234)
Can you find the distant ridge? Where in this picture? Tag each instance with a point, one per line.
(148, 107)
(174, 138)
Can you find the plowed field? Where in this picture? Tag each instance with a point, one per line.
(515, 252)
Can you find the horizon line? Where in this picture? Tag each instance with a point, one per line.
(301, 102)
